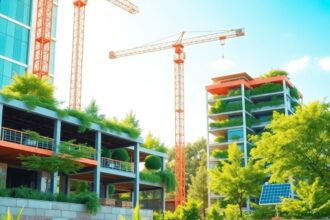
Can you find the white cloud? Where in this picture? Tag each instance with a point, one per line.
(297, 65)
(224, 64)
(325, 63)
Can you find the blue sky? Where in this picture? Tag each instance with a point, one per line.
(292, 35)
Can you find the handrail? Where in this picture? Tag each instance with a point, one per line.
(117, 164)
(20, 137)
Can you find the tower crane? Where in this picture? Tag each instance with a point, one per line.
(42, 39)
(78, 46)
(179, 59)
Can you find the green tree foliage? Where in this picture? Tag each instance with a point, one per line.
(154, 143)
(262, 211)
(130, 121)
(136, 212)
(215, 212)
(120, 154)
(30, 88)
(275, 72)
(198, 189)
(297, 145)
(191, 210)
(234, 181)
(94, 110)
(313, 201)
(153, 162)
(233, 212)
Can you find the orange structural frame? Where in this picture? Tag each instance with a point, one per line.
(221, 85)
(17, 149)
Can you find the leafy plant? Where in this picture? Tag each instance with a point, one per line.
(262, 211)
(105, 152)
(225, 106)
(227, 123)
(154, 143)
(220, 154)
(120, 154)
(153, 162)
(9, 216)
(266, 88)
(232, 212)
(166, 177)
(273, 102)
(220, 139)
(294, 93)
(275, 72)
(90, 200)
(111, 189)
(191, 210)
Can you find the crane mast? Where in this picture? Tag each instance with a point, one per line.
(179, 59)
(78, 46)
(42, 40)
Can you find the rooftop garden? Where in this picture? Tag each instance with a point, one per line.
(34, 92)
(275, 72)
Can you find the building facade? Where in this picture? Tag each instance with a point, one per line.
(99, 171)
(239, 105)
(17, 29)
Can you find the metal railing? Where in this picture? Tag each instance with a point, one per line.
(117, 164)
(20, 137)
(77, 147)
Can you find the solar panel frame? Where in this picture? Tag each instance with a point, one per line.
(271, 193)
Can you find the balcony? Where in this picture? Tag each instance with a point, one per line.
(117, 165)
(20, 137)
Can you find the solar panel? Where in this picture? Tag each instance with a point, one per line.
(271, 194)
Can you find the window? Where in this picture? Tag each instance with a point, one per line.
(235, 134)
(19, 10)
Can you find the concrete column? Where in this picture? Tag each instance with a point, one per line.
(97, 174)
(208, 149)
(163, 190)
(56, 144)
(3, 175)
(245, 138)
(1, 115)
(285, 98)
(136, 191)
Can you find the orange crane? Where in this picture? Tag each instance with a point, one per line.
(179, 58)
(42, 39)
(78, 46)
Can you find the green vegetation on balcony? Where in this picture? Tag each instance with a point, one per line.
(35, 92)
(232, 92)
(266, 88)
(227, 123)
(221, 154)
(273, 102)
(220, 139)
(223, 106)
(294, 93)
(166, 177)
(256, 121)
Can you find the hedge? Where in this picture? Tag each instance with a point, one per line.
(227, 123)
(266, 88)
(153, 162)
(120, 154)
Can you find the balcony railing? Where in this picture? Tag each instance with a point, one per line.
(21, 137)
(117, 164)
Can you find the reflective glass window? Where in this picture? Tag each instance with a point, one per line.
(19, 10)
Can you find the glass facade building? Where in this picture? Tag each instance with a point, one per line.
(16, 38)
(239, 105)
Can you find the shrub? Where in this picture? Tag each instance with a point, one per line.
(120, 154)
(220, 154)
(157, 216)
(262, 212)
(166, 177)
(232, 212)
(266, 88)
(153, 162)
(90, 200)
(294, 93)
(214, 212)
(275, 72)
(105, 152)
(191, 211)
(220, 139)
(225, 106)
(227, 123)
(111, 189)
(273, 102)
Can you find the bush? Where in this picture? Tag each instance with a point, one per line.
(120, 154)
(105, 152)
(275, 72)
(166, 177)
(111, 189)
(266, 88)
(262, 212)
(225, 106)
(191, 211)
(153, 162)
(214, 212)
(90, 200)
(294, 93)
(157, 216)
(220, 154)
(232, 212)
(273, 102)
(227, 123)
(220, 139)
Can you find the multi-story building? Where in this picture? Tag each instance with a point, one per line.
(17, 31)
(99, 171)
(239, 105)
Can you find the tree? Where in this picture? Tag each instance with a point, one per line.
(131, 121)
(297, 145)
(152, 142)
(234, 181)
(313, 201)
(94, 110)
(30, 88)
(63, 162)
(198, 189)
